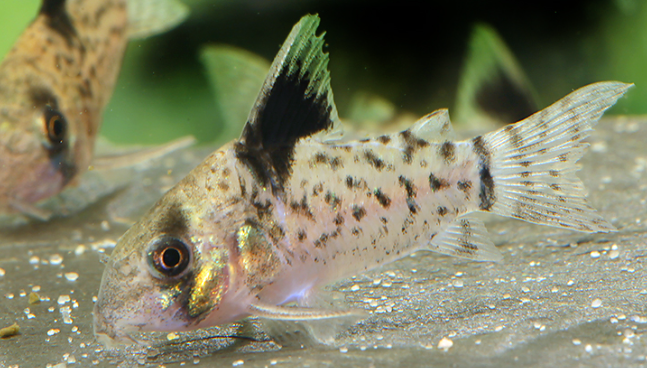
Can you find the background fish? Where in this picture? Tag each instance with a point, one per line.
(54, 86)
(289, 207)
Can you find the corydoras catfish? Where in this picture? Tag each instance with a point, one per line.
(54, 85)
(289, 207)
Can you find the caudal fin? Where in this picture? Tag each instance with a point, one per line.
(528, 168)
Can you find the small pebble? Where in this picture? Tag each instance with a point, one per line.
(80, 249)
(354, 287)
(343, 350)
(71, 276)
(105, 225)
(63, 299)
(34, 260)
(597, 303)
(238, 362)
(445, 344)
(2, 272)
(457, 283)
(595, 254)
(570, 283)
(53, 332)
(34, 298)
(614, 254)
(172, 336)
(576, 342)
(10, 331)
(55, 259)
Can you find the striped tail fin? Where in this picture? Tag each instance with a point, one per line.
(528, 168)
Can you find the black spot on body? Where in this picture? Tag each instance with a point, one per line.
(448, 152)
(301, 235)
(441, 210)
(382, 198)
(332, 199)
(321, 242)
(408, 186)
(320, 157)
(384, 139)
(358, 212)
(374, 160)
(436, 183)
(411, 145)
(349, 182)
(464, 186)
(263, 209)
(339, 219)
(316, 189)
(302, 207)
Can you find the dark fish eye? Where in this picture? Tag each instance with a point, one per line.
(56, 127)
(169, 256)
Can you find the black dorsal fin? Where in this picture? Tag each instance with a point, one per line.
(295, 101)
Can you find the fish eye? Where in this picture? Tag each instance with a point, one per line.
(56, 127)
(169, 256)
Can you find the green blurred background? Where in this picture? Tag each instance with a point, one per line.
(409, 52)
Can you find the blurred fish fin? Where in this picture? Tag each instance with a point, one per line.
(434, 127)
(370, 111)
(528, 168)
(305, 327)
(150, 17)
(493, 89)
(235, 76)
(31, 211)
(133, 158)
(466, 237)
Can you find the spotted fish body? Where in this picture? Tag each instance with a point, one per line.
(289, 207)
(54, 85)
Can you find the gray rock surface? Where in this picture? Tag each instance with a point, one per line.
(560, 298)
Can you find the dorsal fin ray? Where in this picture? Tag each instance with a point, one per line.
(295, 102)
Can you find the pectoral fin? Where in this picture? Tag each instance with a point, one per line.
(304, 327)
